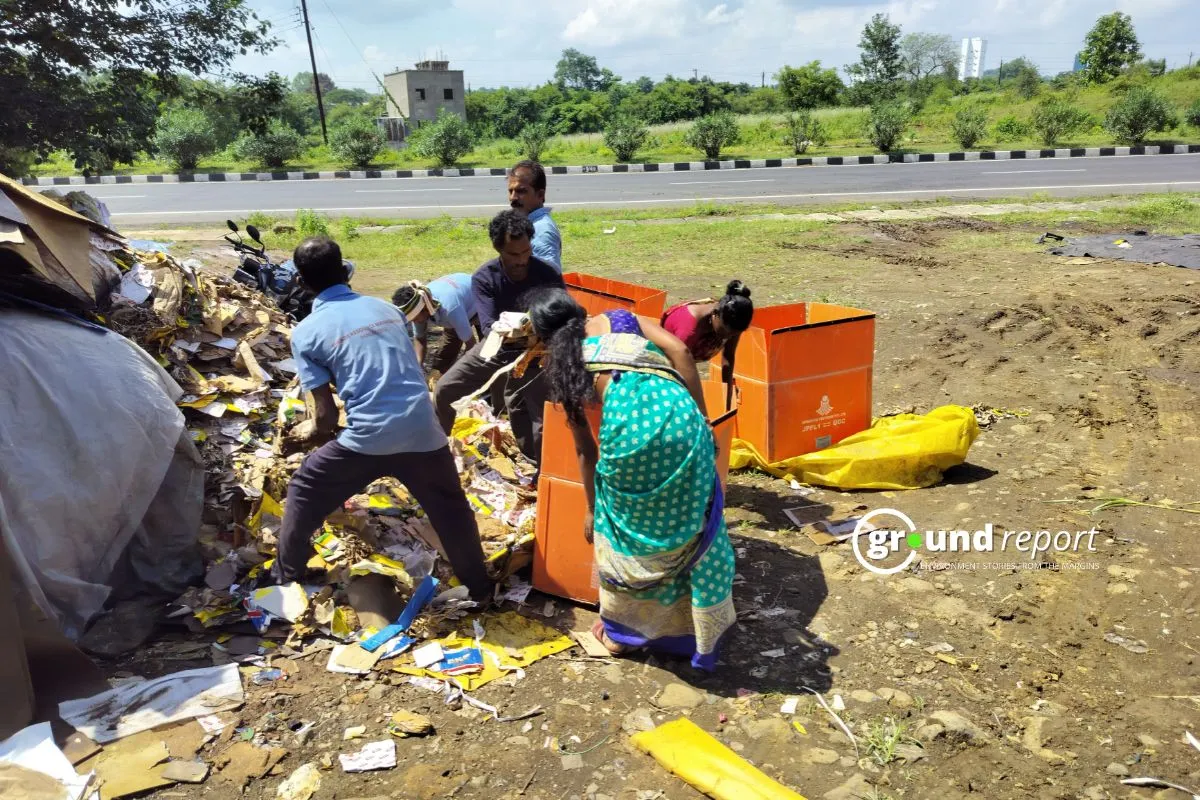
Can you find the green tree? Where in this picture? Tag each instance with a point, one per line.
(880, 63)
(713, 133)
(625, 136)
(1139, 112)
(803, 130)
(1027, 82)
(274, 147)
(576, 70)
(886, 125)
(533, 139)
(357, 141)
(1055, 118)
(968, 126)
(86, 77)
(184, 136)
(303, 83)
(446, 139)
(809, 86)
(1110, 46)
(926, 54)
(1192, 116)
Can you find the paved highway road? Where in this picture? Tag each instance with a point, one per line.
(477, 196)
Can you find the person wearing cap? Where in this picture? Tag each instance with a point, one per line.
(448, 302)
(360, 345)
(527, 194)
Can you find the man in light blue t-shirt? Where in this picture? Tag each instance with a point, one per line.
(360, 345)
(527, 194)
(449, 304)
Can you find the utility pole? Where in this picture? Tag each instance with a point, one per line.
(312, 58)
(1000, 74)
(764, 79)
(695, 74)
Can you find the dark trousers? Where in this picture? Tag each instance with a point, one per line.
(524, 397)
(331, 474)
(448, 352)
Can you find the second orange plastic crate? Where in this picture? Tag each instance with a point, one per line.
(803, 373)
(598, 295)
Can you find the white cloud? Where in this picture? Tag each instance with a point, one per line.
(720, 15)
(609, 23)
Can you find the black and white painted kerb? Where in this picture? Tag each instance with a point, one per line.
(677, 166)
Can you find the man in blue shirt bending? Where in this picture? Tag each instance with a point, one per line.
(527, 194)
(449, 304)
(361, 345)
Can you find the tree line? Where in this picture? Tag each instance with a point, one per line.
(127, 88)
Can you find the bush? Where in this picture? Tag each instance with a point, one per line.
(712, 133)
(802, 130)
(348, 229)
(969, 126)
(886, 125)
(310, 223)
(356, 141)
(1192, 116)
(1010, 129)
(184, 137)
(16, 162)
(625, 136)
(1138, 114)
(445, 140)
(1054, 118)
(532, 140)
(279, 144)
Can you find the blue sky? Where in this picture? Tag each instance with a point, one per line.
(517, 43)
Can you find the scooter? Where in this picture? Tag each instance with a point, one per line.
(280, 282)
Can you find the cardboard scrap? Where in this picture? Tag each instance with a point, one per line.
(244, 762)
(185, 771)
(79, 748)
(286, 602)
(591, 645)
(124, 769)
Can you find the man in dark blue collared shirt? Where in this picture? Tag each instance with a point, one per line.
(500, 285)
(360, 345)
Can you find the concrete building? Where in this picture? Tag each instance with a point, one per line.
(970, 63)
(421, 92)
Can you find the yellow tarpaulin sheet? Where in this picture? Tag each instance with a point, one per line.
(906, 451)
(509, 638)
(691, 753)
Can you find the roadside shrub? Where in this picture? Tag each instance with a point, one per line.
(969, 126)
(886, 125)
(1011, 129)
(348, 229)
(532, 140)
(1192, 116)
(356, 141)
(16, 162)
(1054, 118)
(185, 136)
(445, 140)
(801, 130)
(713, 133)
(276, 146)
(1137, 114)
(310, 223)
(625, 136)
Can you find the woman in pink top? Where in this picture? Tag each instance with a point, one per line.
(709, 327)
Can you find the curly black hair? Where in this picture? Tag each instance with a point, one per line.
(736, 308)
(509, 224)
(559, 322)
(319, 261)
(401, 296)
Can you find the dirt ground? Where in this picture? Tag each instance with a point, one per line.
(1003, 676)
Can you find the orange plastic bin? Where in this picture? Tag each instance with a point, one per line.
(598, 295)
(803, 374)
(563, 563)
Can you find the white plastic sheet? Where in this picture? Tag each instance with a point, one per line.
(135, 707)
(34, 749)
(88, 431)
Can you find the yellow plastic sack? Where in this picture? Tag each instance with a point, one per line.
(906, 451)
(688, 751)
(510, 642)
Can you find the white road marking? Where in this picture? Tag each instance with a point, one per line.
(722, 183)
(1027, 171)
(608, 203)
(393, 191)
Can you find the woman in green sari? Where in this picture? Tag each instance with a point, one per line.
(656, 509)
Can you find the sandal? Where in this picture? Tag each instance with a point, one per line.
(612, 647)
